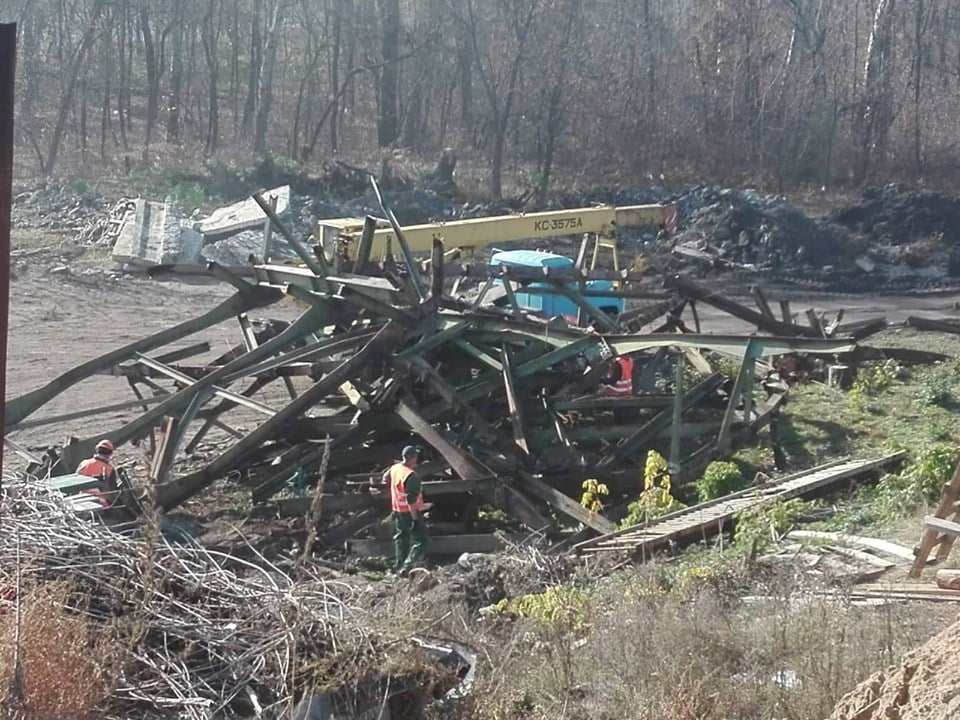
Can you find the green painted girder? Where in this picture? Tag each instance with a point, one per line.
(23, 406)
(478, 354)
(175, 404)
(176, 491)
(598, 402)
(626, 343)
(448, 332)
(660, 422)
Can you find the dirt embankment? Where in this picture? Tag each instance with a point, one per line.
(925, 686)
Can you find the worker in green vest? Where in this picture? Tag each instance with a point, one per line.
(406, 501)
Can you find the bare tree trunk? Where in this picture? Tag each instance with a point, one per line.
(465, 71)
(555, 109)
(336, 44)
(210, 36)
(66, 97)
(388, 119)
(265, 84)
(877, 112)
(256, 56)
(153, 76)
(175, 99)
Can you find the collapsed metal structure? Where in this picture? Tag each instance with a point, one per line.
(506, 405)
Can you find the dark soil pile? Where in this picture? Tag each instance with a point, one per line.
(894, 215)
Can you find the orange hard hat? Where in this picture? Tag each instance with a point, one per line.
(105, 445)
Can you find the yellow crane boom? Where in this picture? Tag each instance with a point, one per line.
(469, 236)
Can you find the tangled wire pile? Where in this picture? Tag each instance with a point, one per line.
(204, 635)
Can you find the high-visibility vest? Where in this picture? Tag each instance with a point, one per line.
(623, 386)
(398, 489)
(95, 467)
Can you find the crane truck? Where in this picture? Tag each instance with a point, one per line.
(342, 237)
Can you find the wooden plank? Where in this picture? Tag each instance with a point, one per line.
(945, 325)
(438, 545)
(860, 556)
(941, 525)
(166, 448)
(513, 403)
(761, 300)
(815, 322)
(882, 546)
(785, 312)
(707, 518)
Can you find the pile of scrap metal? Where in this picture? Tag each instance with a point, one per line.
(506, 405)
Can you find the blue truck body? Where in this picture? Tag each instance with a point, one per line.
(554, 305)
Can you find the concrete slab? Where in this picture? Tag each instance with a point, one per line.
(244, 215)
(156, 233)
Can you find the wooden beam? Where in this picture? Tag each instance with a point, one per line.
(177, 491)
(761, 300)
(438, 545)
(564, 504)
(513, 403)
(166, 449)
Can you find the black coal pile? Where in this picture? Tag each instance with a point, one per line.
(894, 215)
(55, 206)
(751, 229)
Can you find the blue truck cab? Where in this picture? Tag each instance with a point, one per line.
(553, 305)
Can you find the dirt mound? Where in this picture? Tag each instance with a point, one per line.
(925, 686)
(893, 215)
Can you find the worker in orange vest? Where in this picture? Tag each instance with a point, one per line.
(619, 380)
(406, 501)
(99, 466)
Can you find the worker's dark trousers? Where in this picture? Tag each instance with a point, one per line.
(409, 539)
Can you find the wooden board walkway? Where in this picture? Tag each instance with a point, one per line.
(707, 519)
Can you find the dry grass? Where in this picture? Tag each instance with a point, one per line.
(66, 665)
(697, 655)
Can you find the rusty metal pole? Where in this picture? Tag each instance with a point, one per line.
(8, 66)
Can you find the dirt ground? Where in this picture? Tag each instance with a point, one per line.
(67, 308)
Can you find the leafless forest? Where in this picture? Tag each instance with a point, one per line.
(787, 92)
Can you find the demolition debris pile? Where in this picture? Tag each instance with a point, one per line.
(509, 405)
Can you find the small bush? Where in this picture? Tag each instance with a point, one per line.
(872, 381)
(920, 483)
(719, 479)
(936, 390)
(757, 526)
(557, 605)
(656, 498)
